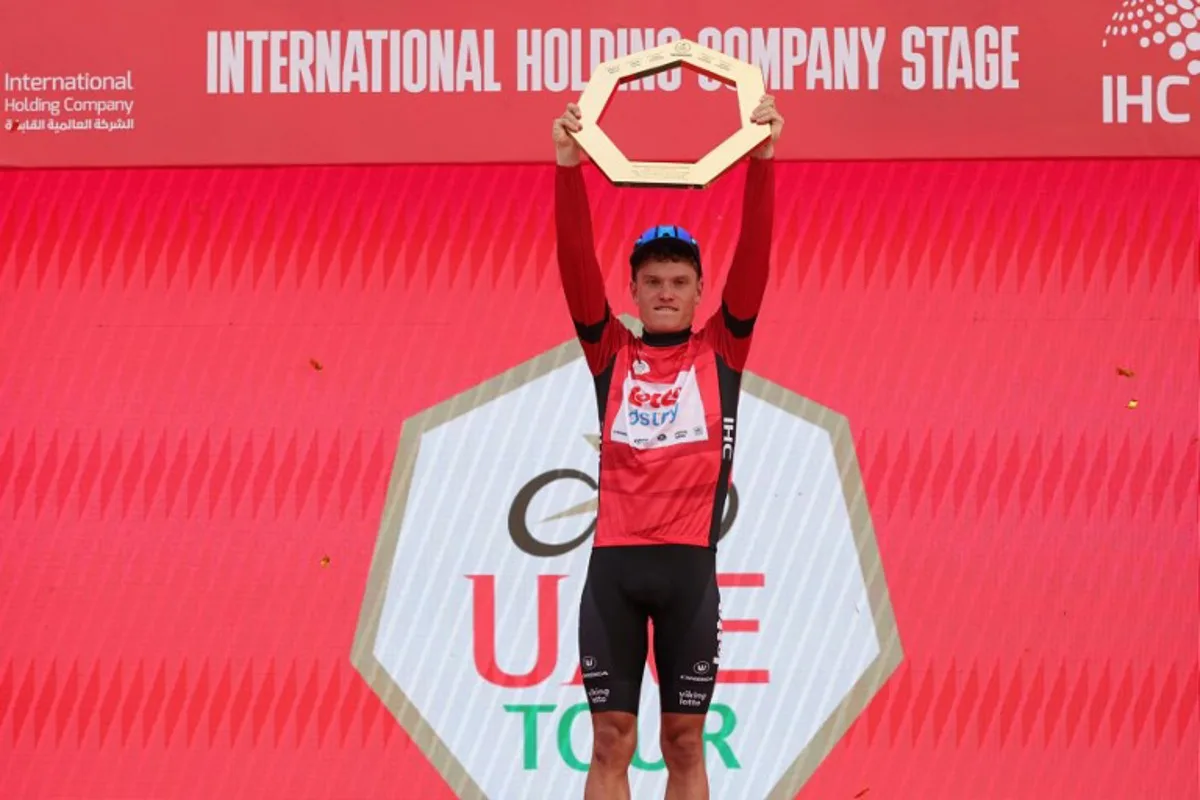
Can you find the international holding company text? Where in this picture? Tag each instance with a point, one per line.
(850, 58)
(536, 720)
(79, 102)
(939, 58)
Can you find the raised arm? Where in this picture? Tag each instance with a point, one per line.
(747, 280)
(578, 267)
(732, 326)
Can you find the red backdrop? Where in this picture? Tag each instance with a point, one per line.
(173, 467)
(230, 82)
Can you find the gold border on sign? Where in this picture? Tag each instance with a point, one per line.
(747, 79)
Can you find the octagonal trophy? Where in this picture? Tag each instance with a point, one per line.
(603, 82)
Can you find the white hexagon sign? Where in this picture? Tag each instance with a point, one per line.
(468, 628)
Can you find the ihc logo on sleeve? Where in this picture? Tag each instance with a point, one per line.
(1168, 32)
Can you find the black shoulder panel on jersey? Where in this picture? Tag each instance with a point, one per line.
(739, 328)
(592, 333)
(603, 382)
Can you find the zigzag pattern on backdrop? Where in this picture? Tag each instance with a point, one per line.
(1033, 704)
(340, 475)
(1030, 227)
(206, 372)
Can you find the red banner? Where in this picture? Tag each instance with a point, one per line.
(137, 83)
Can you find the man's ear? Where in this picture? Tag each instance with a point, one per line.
(633, 290)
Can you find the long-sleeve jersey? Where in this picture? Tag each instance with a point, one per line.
(667, 403)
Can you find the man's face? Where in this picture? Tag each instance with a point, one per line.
(666, 294)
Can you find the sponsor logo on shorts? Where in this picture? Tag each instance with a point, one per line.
(705, 673)
(597, 696)
(690, 699)
(589, 668)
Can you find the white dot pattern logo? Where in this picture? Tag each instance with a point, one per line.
(1158, 22)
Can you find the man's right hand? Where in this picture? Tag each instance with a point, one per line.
(566, 149)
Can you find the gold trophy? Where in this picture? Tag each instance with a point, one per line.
(620, 170)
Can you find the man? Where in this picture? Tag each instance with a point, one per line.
(668, 419)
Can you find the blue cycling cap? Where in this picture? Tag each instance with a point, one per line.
(665, 240)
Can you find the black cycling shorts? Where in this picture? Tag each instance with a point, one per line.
(673, 586)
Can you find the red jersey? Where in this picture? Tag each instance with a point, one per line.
(667, 402)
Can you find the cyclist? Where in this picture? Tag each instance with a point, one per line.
(668, 418)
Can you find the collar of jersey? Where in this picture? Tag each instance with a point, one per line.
(666, 339)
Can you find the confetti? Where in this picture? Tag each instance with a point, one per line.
(862, 793)
(1132, 404)
(1125, 372)
(316, 364)
(325, 561)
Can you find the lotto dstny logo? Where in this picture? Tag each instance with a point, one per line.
(1168, 31)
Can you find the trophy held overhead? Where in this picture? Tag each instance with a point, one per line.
(619, 169)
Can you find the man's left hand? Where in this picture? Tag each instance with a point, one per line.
(766, 114)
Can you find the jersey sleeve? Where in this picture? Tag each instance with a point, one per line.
(731, 328)
(583, 284)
